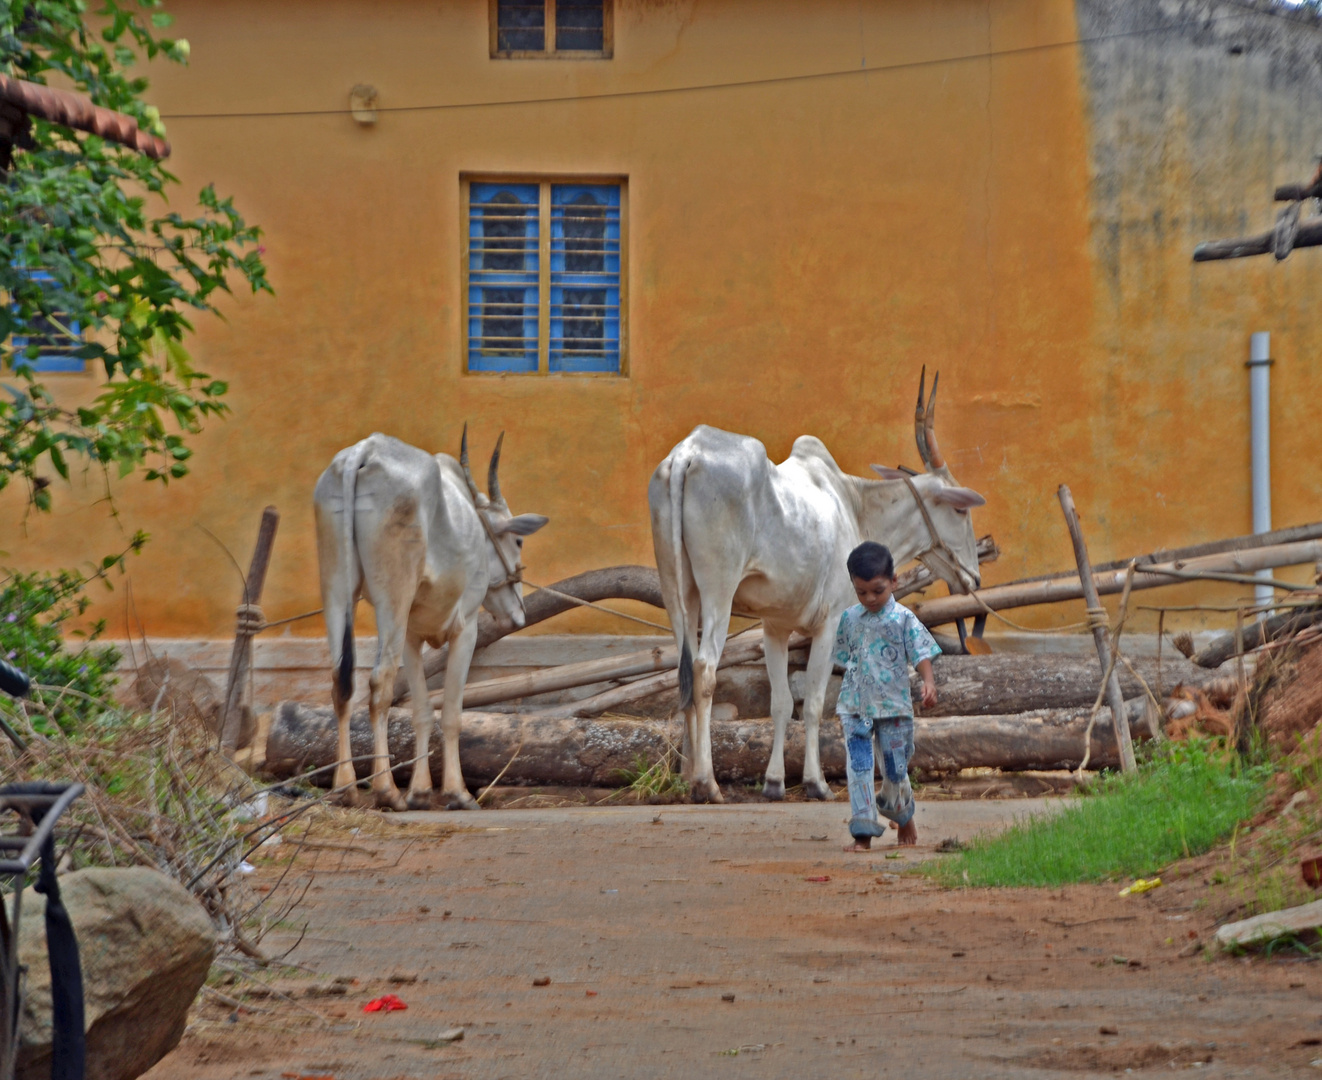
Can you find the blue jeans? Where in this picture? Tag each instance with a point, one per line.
(889, 738)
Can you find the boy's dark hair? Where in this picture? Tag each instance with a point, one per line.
(871, 560)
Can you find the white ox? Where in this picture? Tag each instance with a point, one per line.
(735, 533)
(411, 532)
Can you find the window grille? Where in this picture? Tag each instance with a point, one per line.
(568, 29)
(55, 337)
(545, 283)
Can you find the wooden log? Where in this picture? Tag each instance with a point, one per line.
(1101, 635)
(241, 655)
(587, 752)
(1224, 648)
(1003, 683)
(944, 609)
(1261, 929)
(1309, 235)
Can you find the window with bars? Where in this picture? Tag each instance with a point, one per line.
(537, 29)
(51, 340)
(544, 276)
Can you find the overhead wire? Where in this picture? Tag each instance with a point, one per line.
(1249, 10)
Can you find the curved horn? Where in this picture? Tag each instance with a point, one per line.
(935, 460)
(463, 464)
(919, 430)
(493, 481)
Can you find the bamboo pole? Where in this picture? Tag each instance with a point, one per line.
(945, 609)
(1100, 636)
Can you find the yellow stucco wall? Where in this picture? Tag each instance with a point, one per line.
(798, 249)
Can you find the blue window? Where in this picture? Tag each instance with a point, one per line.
(56, 336)
(585, 277)
(504, 261)
(545, 286)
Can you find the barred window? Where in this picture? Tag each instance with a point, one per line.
(52, 339)
(568, 29)
(544, 272)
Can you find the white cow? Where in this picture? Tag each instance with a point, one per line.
(735, 533)
(412, 533)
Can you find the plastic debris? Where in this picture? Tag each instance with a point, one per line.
(385, 1003)
(1142, 885)
(819, 877)
(542, 980)
(245, 867)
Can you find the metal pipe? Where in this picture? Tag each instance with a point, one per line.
(1259, 366)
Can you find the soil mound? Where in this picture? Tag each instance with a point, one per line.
(1292, 706)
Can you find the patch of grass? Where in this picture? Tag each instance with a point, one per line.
(1178, 803)
(658, 778)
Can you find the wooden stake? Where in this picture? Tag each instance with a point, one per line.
(1099, 631)
(241, 657)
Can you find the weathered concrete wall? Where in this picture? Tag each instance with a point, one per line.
(823, 196)
(1197, 110)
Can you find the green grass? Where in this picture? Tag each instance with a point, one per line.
(1175, 805)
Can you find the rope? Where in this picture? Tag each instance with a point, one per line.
(598, 607)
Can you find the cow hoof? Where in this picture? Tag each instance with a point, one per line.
(817, 789)
(461, 801)
(419, 800)
(391, 800)
(348, 797)
(774, 790)
(707, 792)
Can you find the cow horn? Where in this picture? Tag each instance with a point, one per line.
(493, 481)
(463, 464)
(919, 420)
(935, 460)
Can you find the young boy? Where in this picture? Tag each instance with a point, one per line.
(876, 642)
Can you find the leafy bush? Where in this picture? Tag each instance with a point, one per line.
(76, 684)
(1179, 803)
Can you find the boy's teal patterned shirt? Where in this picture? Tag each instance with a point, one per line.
(876, 651)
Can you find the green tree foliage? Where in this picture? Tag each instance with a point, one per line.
(89, 217)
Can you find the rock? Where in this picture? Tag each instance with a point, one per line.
(145, 945)
(1274, 924)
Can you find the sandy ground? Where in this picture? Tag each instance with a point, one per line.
(685, 941)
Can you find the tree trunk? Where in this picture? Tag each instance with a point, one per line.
(593, 753)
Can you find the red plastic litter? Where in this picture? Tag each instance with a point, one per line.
(388, 1003)
(823, 877)
(591, 993)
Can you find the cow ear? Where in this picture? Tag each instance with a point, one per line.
(889, 474)
(961, 498)
(523, 525)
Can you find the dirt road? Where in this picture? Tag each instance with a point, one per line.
(686, 941)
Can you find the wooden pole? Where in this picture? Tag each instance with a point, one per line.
(1099, 630)
(241, 656)
(945, 609)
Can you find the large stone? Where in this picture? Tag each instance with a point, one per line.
(145, 945)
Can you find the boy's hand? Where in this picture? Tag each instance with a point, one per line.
(929, 693)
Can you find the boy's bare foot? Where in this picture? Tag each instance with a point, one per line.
(908, 834)
(861, 843)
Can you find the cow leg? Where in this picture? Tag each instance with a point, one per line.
(453, 791)
(820, 657)
(390, 645)
(346, 779)
(775, 645)
(716, 626)
(419, 796)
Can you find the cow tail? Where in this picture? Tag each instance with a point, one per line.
(678, 467)
(348, 552)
